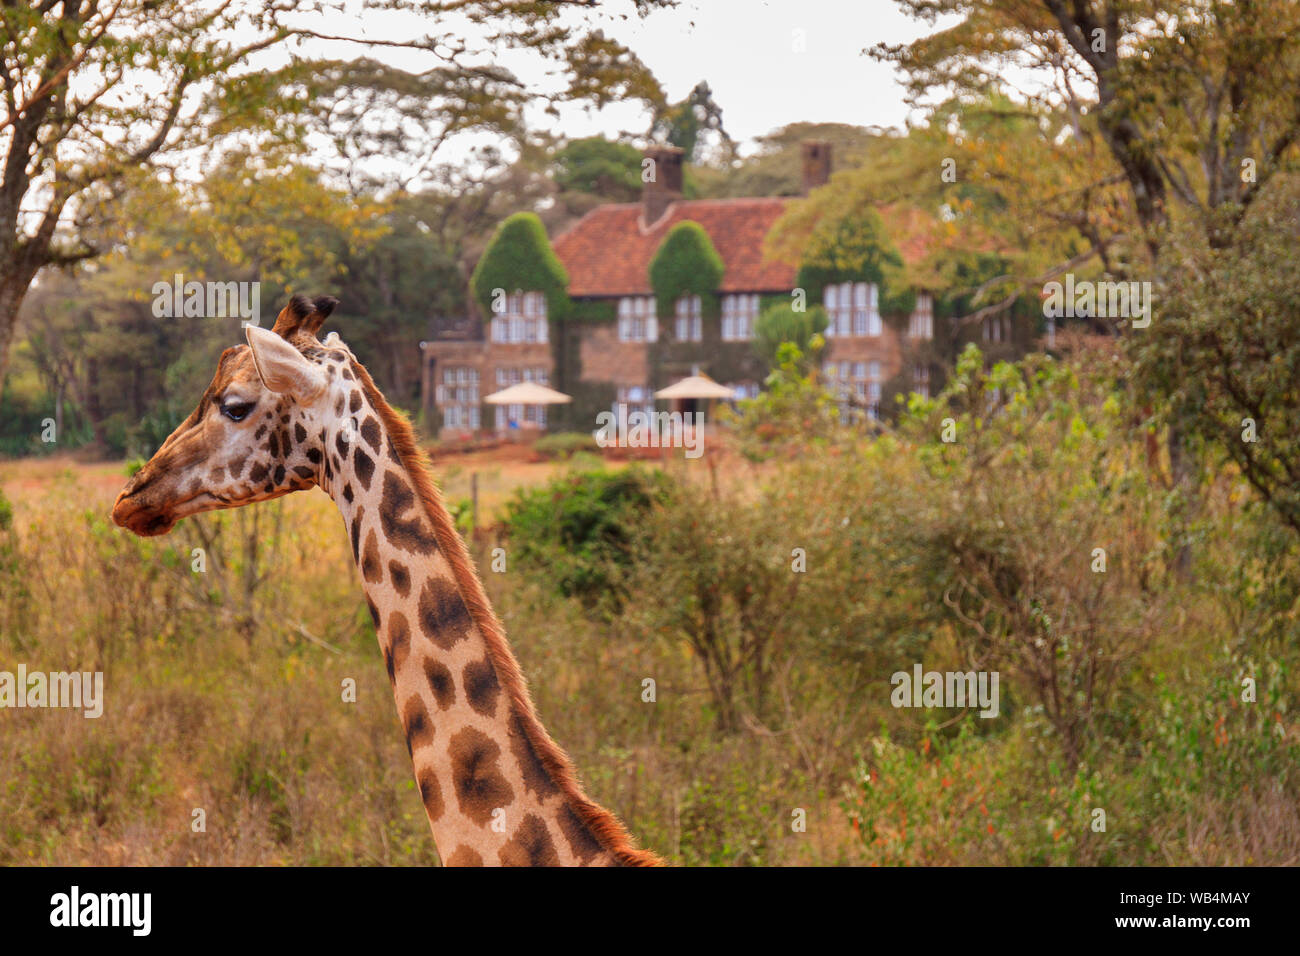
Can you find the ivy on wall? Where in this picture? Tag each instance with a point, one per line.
(589, 398)
(686, 263)
(857, 248)
(519, 257)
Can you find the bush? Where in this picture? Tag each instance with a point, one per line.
(577, 533)
(781, 323)
(565, 445)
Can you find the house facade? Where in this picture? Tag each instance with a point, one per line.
(618, 344)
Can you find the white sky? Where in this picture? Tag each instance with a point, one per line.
(746, 50)
(768, 62)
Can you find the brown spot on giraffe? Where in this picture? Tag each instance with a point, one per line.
(476, 775)
(582, 844)
(407, 533)
(531, 845)
(372, 569)
(430, 793)
(365, 467)
(399, 639)
(464, 856)
(415, 719)
(444, 618)
(401, 578)
(370, 432)
(440, 682)
(535, 776)
(481, 687)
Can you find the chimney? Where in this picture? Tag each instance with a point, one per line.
(661, 180)
(816, 154)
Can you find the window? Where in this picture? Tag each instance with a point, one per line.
(636, 319)
(745, 390)
(457, 397)
(921, 324)
(853, 308)
(636, 398)
(996, 328)
(689, 327)
(921, 380)
(738, 315)
(856, 385)
(522, 319)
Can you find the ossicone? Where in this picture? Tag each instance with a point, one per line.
(304, 314)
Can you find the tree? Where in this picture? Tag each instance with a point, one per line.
(94, 93)
(1192, 102)
(599, 167)
(781, 324)
(690, 123)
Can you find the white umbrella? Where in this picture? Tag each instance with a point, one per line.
(527, 393)
(696, 386)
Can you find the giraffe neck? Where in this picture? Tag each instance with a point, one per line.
(497, 791)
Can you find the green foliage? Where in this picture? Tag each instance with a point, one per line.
(856, 248)
(686, 263)
(781, 323)
(1231, 315)
(600, 167)
(793, 412)
(563, 445)
(577, 532)
(519, 257)
(684, 124)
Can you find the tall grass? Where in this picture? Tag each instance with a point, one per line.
(224, 687)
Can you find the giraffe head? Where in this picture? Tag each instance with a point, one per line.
(260, 431)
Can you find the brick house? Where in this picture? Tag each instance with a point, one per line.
(614, 347)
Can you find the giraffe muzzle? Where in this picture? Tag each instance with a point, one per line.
(141, 519)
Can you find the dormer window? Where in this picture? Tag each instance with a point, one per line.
(522, 319)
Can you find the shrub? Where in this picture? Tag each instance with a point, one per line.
(577, 532)
(564, 445)
(781, 323)
(792, 413)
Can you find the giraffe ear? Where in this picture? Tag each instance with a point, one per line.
(282, 368)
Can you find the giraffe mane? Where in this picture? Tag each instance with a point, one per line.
(604, 826)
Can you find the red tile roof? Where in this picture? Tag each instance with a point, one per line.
(608, 251)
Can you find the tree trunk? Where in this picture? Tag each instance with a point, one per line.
(12, 294)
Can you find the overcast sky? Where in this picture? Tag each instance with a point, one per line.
(768, 62)
(749, 52)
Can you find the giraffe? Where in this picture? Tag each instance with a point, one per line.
(287, 412)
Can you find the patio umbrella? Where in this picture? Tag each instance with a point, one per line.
(696, 386)
(527, 393)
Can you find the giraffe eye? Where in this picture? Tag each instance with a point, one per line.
(237, 411)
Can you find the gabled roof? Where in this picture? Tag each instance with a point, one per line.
(608, 251)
